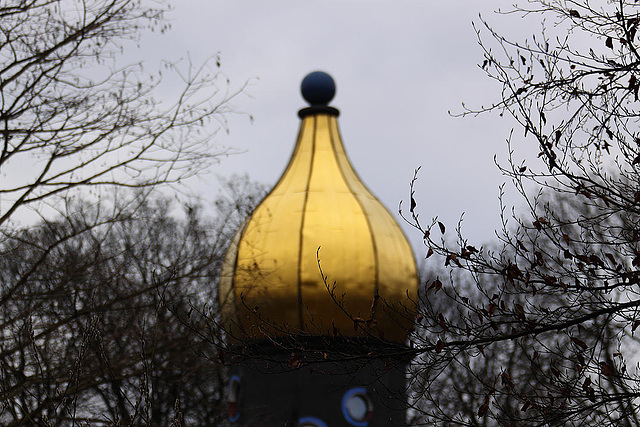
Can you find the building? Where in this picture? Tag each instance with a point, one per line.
(318, 292)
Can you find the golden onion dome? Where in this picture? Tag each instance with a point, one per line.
(319, 219)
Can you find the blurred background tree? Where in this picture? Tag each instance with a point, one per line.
(89, 332)
(91, 253)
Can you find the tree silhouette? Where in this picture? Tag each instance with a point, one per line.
(547, 334)
(85, 336)
(71, 117)
(89, 334)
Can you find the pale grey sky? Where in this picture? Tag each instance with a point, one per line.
(399, 67)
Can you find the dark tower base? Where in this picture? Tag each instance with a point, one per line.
(320, 382)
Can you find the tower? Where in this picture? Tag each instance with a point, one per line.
(318, 292)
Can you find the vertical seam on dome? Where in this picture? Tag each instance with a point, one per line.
(233, 283)
(376, 264)
(230, 299)
(304, 211)
(296, 149)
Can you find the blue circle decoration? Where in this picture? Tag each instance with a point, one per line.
(356, 392)
(318, 88)
(234, 414)
(316, 422)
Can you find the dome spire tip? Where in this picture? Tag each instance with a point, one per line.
(318, 88)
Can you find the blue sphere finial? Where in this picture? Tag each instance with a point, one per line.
(318, 88)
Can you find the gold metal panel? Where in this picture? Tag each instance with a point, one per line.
(335, 222)
(397, 273)
(267, 272)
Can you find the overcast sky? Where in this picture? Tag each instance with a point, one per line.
(399, 67)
